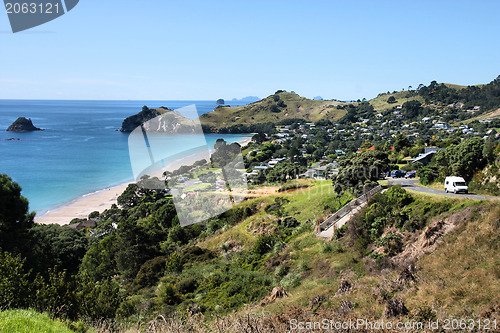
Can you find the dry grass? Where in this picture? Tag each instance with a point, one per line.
(464, 272)
(380, 103)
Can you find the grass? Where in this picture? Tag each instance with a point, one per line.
(30, 321)
(458, 275)
(380, 103)
(198, 187)
(383, 182)
(436, 186)
(296, 107)
(493, 114)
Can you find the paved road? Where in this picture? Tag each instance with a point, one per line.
(411, 185)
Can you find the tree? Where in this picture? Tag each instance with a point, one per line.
(412, 109)
(401, 142)
(14, 216)
(14, 281)
(129, 197)
(391, 100)
(54, 245)
(461, 159)
(360, 171)
(13, 207)
(259, 138)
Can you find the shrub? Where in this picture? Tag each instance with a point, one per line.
(291, 280)
(428, 175)
(149, 273)
(263, 244)
(13, 281)
(187, 285)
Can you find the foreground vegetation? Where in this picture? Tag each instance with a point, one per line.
(150, 271)
(29, 321)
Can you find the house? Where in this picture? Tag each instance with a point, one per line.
(275, 161)
(83, 224)
(442, 126)
(320, 172)
(426, 157)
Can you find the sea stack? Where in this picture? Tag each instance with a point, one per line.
(23, 125)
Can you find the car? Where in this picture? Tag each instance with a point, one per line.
(411, 174)
(398, 173)
(456, 185)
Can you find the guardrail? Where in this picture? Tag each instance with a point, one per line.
(332, 219)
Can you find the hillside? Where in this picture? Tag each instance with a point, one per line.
(380, 103)
(274, 108)
(369, 273)
(456, 102)
(160, 120)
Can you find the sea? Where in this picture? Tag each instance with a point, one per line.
(80, 150)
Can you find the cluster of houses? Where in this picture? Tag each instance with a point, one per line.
(322, 170)
(380, 126)
(264, 166)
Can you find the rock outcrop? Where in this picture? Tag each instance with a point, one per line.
(23, 125)
(161, 120)
(131, 123)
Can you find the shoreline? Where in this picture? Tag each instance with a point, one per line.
(103, 199)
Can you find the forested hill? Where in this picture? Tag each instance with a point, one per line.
(279, 108)
(447, 101)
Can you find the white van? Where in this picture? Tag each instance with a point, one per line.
(455, 185)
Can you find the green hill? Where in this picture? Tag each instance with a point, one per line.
(30, 321)
(282, 105)
(380, 103)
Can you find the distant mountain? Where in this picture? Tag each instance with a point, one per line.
(318, 98)
(248, 99)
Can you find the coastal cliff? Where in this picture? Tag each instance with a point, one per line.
(23, 125)
(161, 120)
(132, 122)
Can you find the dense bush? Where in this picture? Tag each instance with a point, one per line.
(150, 273)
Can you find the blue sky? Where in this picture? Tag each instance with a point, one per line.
(167, 50)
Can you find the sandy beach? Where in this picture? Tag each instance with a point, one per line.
(105, 198)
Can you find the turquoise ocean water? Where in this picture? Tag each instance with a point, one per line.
(80, 151)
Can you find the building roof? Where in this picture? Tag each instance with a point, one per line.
(83, 224)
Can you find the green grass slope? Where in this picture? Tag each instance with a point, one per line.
(379, 103)
(286, 105)
(30, 321)
(450, 277)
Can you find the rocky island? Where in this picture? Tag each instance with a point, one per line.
(161, 120)
(23, 125)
